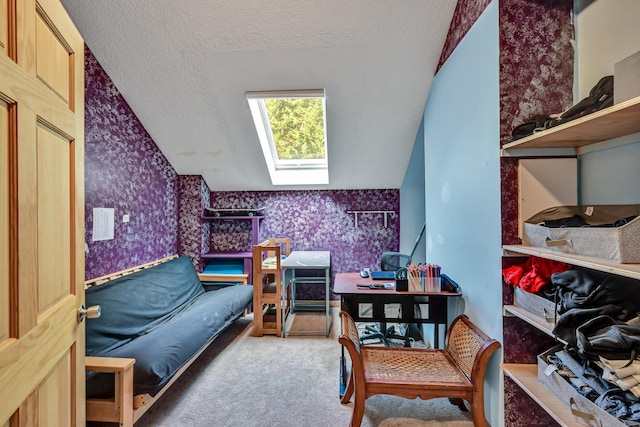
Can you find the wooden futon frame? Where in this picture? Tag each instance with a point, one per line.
(125, 408)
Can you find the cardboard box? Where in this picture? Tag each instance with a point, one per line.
(626, 78)
(584, 409)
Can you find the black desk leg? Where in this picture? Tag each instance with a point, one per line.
(343, 374)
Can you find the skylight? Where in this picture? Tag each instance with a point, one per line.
(291, 127)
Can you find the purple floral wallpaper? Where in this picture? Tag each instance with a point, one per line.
(465, 15)
(193, 237)
(536, 77)
(124, 170)
(522, 410)
(315, 220)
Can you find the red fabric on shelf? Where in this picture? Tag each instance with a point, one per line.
(513, 274)
(534, 274)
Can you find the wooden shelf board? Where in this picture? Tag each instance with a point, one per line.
(626, 270)
(613, 122)
(533, 320)
(526, 376)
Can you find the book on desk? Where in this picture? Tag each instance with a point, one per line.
(382, 275)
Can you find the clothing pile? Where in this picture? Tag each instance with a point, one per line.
(600, 97)
(597, 317)
(591, 381)
(621, 374)
(579, 221)
(534, 275)
(582, 295)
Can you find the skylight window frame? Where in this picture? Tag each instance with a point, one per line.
(288, 171)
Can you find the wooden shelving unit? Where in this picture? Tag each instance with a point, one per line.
(246, 256)
(271, 296)
(613, 126)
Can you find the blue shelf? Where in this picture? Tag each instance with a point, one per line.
(225, 266)
(218, 255)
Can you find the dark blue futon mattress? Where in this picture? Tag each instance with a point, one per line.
(163, 338)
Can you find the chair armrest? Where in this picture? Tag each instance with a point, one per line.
(108, 364)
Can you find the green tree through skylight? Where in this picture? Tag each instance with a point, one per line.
(297, 125)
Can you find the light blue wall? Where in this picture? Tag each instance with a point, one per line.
(412, 202)
(462, 170)
(611, 176)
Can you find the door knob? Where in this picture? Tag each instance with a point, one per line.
(92, 312)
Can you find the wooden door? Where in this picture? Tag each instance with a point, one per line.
(41, 215)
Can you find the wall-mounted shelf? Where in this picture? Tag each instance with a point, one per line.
(384, 213)
(246, 256)
(611, 127)
(615, 122)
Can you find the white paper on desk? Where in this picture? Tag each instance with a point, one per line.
(103, 220)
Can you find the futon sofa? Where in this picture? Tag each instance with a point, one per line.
(155, 322)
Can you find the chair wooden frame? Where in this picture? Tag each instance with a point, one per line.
(456, 372)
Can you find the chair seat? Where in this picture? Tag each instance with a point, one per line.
(411, 366)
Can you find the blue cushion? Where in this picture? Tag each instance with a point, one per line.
(161, 352)
(137, 303)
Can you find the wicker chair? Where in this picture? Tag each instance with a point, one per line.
(456, 372)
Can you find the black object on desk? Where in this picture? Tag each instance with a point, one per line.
(377, 285)
(402, 285)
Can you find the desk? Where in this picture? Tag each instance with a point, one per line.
(352, 297)
(299, 261)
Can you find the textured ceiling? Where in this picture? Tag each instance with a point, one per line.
(184, 67)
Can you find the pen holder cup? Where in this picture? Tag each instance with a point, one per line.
(402, 285)
(416, 284)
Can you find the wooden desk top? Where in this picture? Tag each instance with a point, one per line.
(347, 283)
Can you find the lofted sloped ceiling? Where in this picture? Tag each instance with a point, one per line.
(184, 67)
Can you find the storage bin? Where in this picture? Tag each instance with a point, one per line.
(535, 304)
(584, 409)
(625, 75)
(617, 244)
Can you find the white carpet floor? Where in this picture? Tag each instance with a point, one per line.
(243, 380)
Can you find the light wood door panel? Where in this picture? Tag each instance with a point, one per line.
(54, 153)
(4, 26)
(41, 218)
(52, 58)
(54, 395)
(4, 222)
